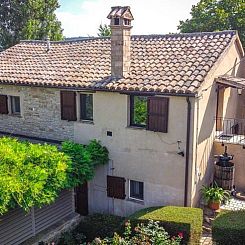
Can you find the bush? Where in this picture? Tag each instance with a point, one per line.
(229, 228)
(150, 234)
(34, 174)
(99, 225)
(175, 220)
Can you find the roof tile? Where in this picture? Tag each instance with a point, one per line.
(163, 63)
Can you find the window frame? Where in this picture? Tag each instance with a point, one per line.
(129, 192)
(148, 112)
(12, 105)
(131, 102)
(83, 108)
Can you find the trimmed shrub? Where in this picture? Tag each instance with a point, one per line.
(99, 225)
(175, 220)
(229, 228)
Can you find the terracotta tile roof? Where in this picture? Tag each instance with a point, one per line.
(165, 64)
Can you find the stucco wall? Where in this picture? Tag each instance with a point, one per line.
(239, 160)
(205, 113)
(40, 114)
(136, 154)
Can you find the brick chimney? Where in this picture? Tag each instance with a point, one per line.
(121, 18)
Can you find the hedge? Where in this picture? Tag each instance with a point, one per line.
(229, 228)
(175, 220)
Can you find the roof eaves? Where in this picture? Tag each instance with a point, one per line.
(217, 62)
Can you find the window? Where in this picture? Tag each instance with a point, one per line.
(3, 104)
(68, 105)
(86, 107)
(138, 111)
(149, 112)
(15, 105)
(116, 21)
(136, 190)
(116, 187)
(126, 22)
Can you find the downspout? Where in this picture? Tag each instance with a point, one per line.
(187, 151)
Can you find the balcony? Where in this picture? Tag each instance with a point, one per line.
(230, 130)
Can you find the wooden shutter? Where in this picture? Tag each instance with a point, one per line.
(158, 114)
(68, 105)
(116, 187)
(3, 104)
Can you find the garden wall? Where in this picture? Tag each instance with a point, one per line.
(17, 226)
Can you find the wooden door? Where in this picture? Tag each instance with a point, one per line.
(81, 199)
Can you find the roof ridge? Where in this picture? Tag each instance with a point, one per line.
(71, 40)
(83, 39)
(189, 34)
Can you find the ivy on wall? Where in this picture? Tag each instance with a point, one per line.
(34, 174)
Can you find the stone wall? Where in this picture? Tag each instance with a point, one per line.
(40, 114)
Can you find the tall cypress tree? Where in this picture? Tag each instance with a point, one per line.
(28, 19)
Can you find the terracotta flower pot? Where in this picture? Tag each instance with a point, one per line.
(214, 205)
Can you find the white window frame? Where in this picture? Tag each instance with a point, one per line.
(79, 107)
(129, 191)
(10, 112)
(13, 105)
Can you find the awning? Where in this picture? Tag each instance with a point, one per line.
(231, 81)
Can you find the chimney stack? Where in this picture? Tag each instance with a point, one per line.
(121, 18)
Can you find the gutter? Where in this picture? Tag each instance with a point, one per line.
(94, 90)
(187, 151)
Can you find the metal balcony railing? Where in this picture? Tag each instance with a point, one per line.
(230, 130)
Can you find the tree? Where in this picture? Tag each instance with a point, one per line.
(216, 15)
(28, 19)
(104, 31)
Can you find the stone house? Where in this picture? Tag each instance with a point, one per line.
(150, 99)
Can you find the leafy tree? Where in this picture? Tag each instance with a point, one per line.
(216, 15)
(104, 31)
(34, 174)
(28, 19)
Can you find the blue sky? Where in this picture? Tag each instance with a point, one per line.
(82, 17)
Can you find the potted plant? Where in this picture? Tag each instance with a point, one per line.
(214, 195)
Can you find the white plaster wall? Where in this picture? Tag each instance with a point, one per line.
(205, 113)
(136, 154)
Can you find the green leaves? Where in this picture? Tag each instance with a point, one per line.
(34, 174)
(216, 15)
(28, 19)
(215, 193)
(104, 31)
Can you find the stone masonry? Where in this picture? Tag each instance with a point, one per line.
(40, 114)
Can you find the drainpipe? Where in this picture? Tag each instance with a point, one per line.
(187, 151)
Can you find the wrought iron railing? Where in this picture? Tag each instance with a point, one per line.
(230, 130)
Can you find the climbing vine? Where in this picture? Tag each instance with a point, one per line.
(34, 174)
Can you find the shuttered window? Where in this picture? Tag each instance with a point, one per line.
(149, 112)
(3, 104)
(68, 105)
(157, 114)
(116, 187)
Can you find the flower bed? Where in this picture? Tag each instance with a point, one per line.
(183, 221)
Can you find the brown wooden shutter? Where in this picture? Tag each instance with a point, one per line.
(116, 187)
(158, 114)
(68, 105)
(3, 104)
